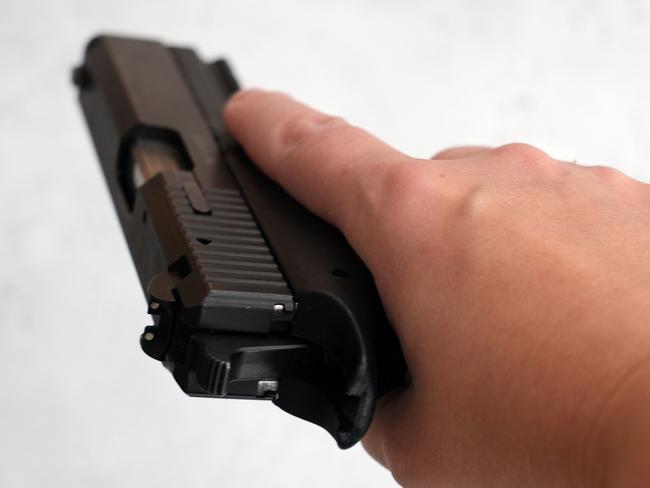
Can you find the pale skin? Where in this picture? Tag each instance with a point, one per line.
(518, 284)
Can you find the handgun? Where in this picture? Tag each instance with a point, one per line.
(251, 295)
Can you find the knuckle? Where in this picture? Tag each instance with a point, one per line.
(609, 173)
(305, 128)
(400, 194)
(404, 181)
(400, 177)
(459, 152)
(448, 153)
(409, 188)
(519, 152)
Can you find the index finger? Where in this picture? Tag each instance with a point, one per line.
(328, 165)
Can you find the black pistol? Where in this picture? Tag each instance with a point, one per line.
(252, 296)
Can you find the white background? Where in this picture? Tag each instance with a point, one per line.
(80, 404)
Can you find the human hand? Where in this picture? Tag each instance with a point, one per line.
(518, 286)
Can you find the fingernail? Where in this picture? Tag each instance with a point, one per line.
(241, 95)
